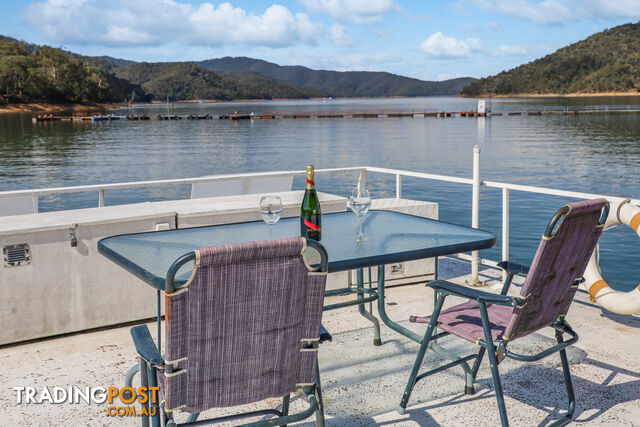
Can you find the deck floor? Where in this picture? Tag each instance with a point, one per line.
(362, 384)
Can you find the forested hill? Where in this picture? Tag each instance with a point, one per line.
(41, 73)
(186, 80)
(608, 61)
(338, 83)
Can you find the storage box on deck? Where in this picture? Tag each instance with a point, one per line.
(65, 288)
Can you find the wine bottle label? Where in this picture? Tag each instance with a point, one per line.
(311, 225)
(311, 182)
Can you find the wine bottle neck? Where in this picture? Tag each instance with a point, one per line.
(310, 184)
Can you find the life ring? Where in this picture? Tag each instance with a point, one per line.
(599, 291)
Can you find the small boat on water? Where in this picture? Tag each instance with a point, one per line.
(100, 117)
(237, 116)
(45, 118)
(143, 117)
(199, 117)
(169, 117)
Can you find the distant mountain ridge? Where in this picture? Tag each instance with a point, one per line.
(338, 83)
(29, 72)
(608, 61)
(187, 80)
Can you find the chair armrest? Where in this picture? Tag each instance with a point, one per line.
(145, 346)
(466, 292)
(324, 335)
(513, 267)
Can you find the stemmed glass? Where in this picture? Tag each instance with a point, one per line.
(270, 211)
(360, 202)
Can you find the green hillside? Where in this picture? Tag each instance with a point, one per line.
(608, 61)
(338, 83)
(34, 73)
(186, 80)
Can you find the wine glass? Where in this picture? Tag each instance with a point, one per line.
(360, 202)
(270, 211)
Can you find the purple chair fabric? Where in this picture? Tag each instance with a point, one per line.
(464, 320)
(239, 331)
(549, 287)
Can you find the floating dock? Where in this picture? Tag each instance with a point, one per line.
(110, 117)
(355, 114)
(352, 114)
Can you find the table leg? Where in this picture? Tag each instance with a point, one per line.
(159, 320)
(361, 308)
(435, 299)
(383, 314)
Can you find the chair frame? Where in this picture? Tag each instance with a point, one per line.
(496, 353)
(151, 360)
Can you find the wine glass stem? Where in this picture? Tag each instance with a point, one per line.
(270, 231)
(360, 234)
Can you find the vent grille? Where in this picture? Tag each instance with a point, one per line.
(16, 255)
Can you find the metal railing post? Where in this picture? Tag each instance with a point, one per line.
(101, 197)
(475, 211)
(398, 186)
(34, 202)
(505, 229)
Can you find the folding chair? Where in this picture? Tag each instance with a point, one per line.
(492, 321)
(245, 327)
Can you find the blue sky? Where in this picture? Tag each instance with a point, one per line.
(431, 40)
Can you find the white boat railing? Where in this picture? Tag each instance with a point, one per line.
(363, 171)
(103, 188)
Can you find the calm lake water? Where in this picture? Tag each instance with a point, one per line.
(598, 154)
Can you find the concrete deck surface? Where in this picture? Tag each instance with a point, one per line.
(362, 384)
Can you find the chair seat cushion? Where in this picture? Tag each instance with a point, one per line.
(464, 320)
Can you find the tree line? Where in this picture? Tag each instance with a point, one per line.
(51, 74)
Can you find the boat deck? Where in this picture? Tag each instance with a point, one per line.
(362, 384)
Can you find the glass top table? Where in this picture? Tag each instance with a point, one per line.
(392, 237)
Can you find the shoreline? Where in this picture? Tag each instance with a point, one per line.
(49, 107)
(554, 95)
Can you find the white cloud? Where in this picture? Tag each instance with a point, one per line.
(338, 36)
(549, 12)
(157, 22)
(512, 50)
(341, 61)
(471, 28)
(544, 12)
(609, 8)
(440, 46)
(365, 12)
(383, 33)
(449, 76)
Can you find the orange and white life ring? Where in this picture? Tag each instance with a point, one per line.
(600, 292)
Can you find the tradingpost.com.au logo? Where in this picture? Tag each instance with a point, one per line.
(119, 399)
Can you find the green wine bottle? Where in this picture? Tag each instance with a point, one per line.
(310, 213)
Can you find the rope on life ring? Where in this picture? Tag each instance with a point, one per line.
(599, 291)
